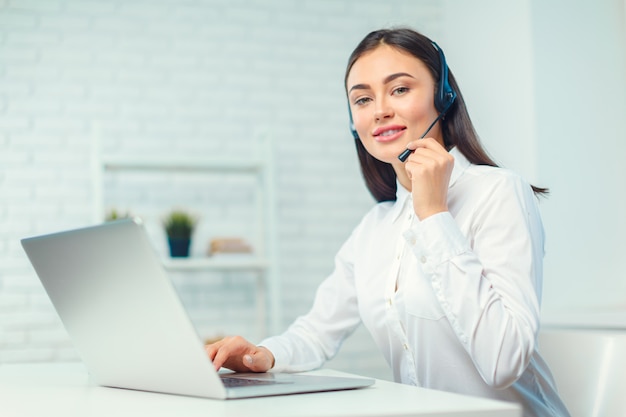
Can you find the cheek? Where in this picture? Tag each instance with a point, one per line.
(365, 144)
(361, 128)
(361, 121)
(417, 111)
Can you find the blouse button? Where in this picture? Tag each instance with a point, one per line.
(423, 259)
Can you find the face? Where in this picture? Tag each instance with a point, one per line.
(391, 97)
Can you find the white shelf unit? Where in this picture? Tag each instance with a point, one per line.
(264, 259)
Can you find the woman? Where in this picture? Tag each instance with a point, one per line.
(446, 270)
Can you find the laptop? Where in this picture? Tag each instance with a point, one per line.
(127, 323)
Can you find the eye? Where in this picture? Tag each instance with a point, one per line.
(400, 90)
(361, 101)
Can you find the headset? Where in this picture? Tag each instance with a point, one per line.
(444, 98)
(446, 95)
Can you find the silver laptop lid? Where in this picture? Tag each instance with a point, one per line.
(121, 310)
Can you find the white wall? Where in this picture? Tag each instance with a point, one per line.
(545, 82)
(168, 77)
(581, 115)
(489, 49)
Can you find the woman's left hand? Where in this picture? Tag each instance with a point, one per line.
(429, 168)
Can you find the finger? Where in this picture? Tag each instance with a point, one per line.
(258, 361)
(231, 353)
(426, 143)
(211, 351)
(212, 348)
(221, 357)
(248, 361)
(422, 164)
(422, 159)
(223, 350)
(430, 143)
(430, 154)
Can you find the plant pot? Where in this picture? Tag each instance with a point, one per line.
(179, 247)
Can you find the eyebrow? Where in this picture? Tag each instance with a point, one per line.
(387, 80)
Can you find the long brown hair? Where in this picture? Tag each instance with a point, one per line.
(456, 127)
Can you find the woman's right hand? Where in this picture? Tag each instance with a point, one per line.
(239, 355)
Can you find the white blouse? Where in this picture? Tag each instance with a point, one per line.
(452, 301)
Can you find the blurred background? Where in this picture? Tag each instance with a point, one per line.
(544, 81)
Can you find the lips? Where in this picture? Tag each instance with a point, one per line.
(388, 133)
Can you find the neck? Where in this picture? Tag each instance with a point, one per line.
(402, 176)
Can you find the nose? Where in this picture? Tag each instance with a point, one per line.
(383, 110)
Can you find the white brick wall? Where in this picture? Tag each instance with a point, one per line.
(188, 78)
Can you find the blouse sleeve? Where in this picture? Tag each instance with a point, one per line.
(488, 282)
(317, 336)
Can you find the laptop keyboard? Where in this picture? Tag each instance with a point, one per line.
(245, 382)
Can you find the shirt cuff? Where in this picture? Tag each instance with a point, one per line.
(281, 355)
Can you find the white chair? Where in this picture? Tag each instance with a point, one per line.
(589, 367)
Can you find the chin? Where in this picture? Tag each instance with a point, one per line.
(385, 152)
(390, 158)
(389, 155)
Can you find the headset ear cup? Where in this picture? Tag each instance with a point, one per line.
(448, 100)
(353, 130)
(445, 93)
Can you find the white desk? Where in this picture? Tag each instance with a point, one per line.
(64, 390)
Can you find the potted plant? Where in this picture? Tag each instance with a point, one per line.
(113, 214)
(179, 226)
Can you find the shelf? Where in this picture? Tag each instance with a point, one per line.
(254, 161)
(118, 163)
(218, 263)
